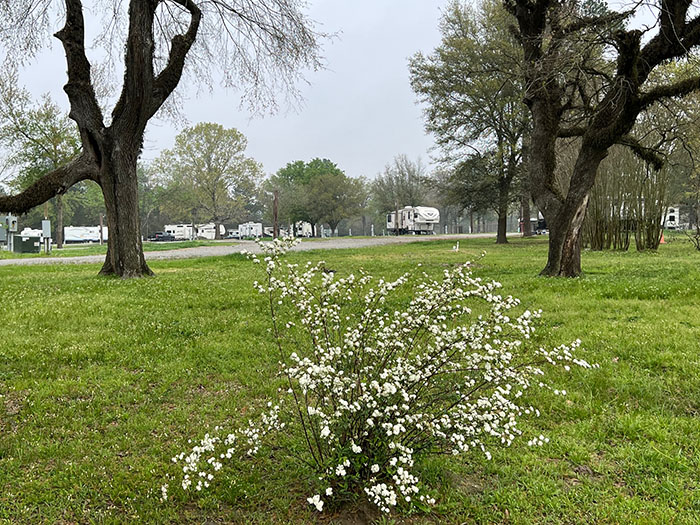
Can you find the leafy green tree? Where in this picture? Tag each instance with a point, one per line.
(403, 183)
(303, 198)
(210, 171)
(38, 139)
(473, 95)
(333, 196)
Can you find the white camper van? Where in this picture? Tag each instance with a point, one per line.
(413, 220)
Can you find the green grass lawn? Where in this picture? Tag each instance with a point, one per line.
(103, 380)
(75, 250)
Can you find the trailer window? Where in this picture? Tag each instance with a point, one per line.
(388, 218)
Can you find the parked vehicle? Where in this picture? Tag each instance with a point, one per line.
(250, 229)
(162, 236)
(76, 234)
(413, 220)
(181, 232)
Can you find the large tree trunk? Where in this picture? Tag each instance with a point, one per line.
(564, 258)
(503, 198)
(501, 230)
(59, 221)
(120, 190)
(217, 230)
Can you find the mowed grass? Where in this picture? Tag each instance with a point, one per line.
(103, 380)
(79, 250)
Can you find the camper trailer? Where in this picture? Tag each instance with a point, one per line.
(76, 234)
(181, 232)
(208, 231)
(303, 229)
(250, 229)
(413, 220)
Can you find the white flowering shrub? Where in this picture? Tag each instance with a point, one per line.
(373, 382)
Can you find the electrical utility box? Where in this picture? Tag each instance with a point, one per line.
(46, 229)
(10, 223)
(22, 244)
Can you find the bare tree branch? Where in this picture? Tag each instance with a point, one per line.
(648, 155)
(84, 108)
(168, 79)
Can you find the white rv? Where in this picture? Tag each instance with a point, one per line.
(673, 219)
(303, 229)
(413, 220)
(84, 234)
(250, 229)
(181, 232)
(208, 231)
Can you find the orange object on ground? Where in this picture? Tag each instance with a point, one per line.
(662, 239)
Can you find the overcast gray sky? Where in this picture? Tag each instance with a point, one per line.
(359, 112)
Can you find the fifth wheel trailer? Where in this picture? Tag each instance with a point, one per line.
(413, 220)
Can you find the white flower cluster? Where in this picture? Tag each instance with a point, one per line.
(199, 467)
(375, 383)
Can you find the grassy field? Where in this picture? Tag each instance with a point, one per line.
(102, 381)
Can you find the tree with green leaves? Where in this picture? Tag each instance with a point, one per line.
(38, 139)
(333, 196)
(209, 169)
(473, 95)
(402, 183)
(301, 197)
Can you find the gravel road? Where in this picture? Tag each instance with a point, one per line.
(338, 243)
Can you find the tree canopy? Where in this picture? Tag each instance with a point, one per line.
(210, 173)
(472, 90)
(317, 192)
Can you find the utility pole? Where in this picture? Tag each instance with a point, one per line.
(275, 224)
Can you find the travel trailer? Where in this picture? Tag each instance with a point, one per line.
(75, 234)
(181, 232)
(250, 229)
(303, 229)
(208, 231)
(413, 220)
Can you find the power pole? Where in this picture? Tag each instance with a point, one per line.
(275, 224)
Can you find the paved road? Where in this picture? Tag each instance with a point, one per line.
(227, 249)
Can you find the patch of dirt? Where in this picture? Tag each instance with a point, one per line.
(13, 405)
(360, 514)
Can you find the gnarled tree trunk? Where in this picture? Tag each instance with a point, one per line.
(120, 190)
(565, 225)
